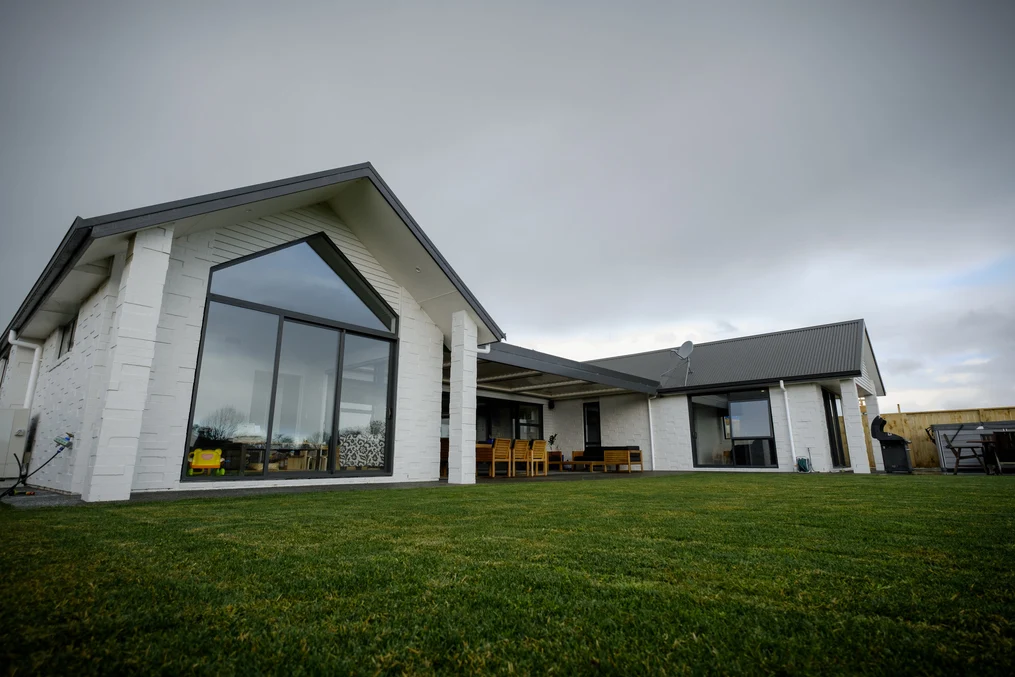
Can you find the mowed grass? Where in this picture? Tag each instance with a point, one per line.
(702, 573)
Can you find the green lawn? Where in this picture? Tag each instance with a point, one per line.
(703, 573)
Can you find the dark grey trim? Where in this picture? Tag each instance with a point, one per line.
(745, 385)
(337, 413)
(301, 317)
(83, 231)
(294, 475)
(730, 397)
(287, 316)
(438, 258)
(154, 215)
(360, 286)
(504, 353)
(272, 397)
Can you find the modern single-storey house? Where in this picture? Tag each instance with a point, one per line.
(310, 333)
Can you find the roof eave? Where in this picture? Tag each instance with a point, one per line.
(525, 358)
(712, 387)
(68, 252)
(83, 231)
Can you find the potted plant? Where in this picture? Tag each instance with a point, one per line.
(552, 441)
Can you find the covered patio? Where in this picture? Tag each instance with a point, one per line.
(523, 398)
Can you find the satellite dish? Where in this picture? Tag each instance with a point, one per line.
(684, 351)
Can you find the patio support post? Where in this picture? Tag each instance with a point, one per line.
(853, 421)
(109, 472)
(873, 411)
(462, 424)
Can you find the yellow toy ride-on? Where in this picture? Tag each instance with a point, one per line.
(205, 462)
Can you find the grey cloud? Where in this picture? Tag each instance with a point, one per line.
(588, 169)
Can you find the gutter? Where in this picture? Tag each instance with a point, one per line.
(33, 379)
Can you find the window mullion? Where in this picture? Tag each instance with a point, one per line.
(271, 397)
(333, 448)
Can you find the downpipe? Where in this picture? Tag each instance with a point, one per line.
(33, 377)
(651, 432)
(789, 426)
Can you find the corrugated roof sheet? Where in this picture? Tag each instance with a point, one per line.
(795, 354)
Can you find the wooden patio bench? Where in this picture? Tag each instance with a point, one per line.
(619, 457)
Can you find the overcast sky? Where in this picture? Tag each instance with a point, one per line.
(606, 177)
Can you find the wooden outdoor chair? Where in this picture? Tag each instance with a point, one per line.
(500, 453)
(617, 457)
(538, 454)
(520, 453)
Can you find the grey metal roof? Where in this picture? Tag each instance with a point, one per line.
(83, 231)
(512, 369)
(825, 351)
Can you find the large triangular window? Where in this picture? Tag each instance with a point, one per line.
(295, 373)
(310, 277)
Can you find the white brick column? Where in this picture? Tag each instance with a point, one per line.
(853, 421)
(873, 411)
(462, 433)
(110, 471)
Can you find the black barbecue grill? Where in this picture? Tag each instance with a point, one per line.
(894, 449)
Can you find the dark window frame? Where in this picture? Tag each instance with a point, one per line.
(321, 239)
(67, 332)
(734, 396)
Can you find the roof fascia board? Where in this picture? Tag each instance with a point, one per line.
(434, 253)
(713, 387)
(87, 230)
(137, 219)
(71, 248)
(530, 359)
(731, 340)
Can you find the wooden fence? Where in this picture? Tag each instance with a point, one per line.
(912, 424)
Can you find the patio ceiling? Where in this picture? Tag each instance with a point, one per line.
(513, 370)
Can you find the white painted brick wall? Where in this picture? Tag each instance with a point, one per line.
(462, 401)
(810, 429)
(565, 419)
(420, 352)
(62, 393)
(129, 360)
(853, 423)
(623, 421)
(672, 430)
